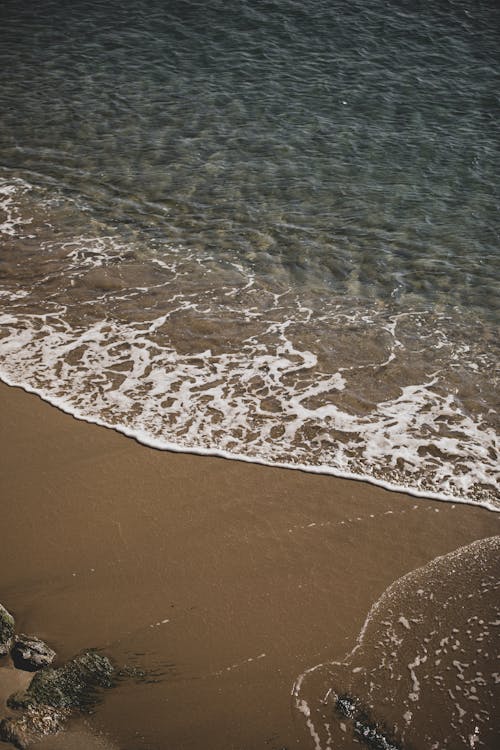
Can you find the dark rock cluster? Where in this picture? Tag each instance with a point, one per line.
(55, 693)
(370, 732)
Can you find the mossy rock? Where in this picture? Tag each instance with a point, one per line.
(34, 724)
(372, 733)
(73, 686)
(7, 626)
(30, 653)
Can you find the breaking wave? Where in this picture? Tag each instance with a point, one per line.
(185, 350)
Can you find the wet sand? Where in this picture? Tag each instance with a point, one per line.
(226, 579)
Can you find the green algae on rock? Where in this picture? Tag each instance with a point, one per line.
(7, 625)
(35, 723)
(75, 685)
(53, 695)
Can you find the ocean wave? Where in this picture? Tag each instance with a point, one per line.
(183, 350)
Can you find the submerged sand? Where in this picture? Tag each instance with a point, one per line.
(226, 580)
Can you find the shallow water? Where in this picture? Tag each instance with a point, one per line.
(422, 673)
(267, 231)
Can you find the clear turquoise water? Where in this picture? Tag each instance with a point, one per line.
(266, 230)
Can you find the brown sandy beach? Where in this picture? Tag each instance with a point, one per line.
(226, 579)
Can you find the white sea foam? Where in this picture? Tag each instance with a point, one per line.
(187, 352)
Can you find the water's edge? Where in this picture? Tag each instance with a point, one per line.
(144, 439)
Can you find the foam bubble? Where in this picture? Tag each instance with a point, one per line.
(186, 351)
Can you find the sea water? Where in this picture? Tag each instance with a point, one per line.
(261, 230)
(422, 673)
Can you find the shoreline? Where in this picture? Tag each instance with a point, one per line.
(226, 578)
(322, 470)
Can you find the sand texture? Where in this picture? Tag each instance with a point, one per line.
(223, 580)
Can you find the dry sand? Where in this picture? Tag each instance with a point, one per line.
(227, 579)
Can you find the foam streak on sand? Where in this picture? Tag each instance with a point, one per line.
(420, 671)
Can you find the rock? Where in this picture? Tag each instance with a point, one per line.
(73, 686)
(30, 653)
(7, 625)
(33, 725)
(372, 733)
(374, 737)
(346, 705)
(53, 695)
